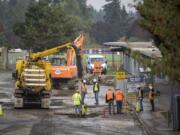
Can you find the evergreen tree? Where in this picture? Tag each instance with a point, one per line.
(45, 26)
(11, 11)
(113, 17)
(79, 10)
(115, 24)
(162, 19)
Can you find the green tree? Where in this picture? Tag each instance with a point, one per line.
(12, 11)
(162, 19)
(46, 26)
(3, 40)
(97, 16)
(79, 10)
(115, 24)
(117, 17)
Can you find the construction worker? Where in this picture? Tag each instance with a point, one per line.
(119, 96)
(77, 102)
(151, 97)
(83, 90)
(110, 100)
(97, 67)
(140, 97)
(96, 89)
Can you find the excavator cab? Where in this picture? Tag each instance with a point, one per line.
(57, 60)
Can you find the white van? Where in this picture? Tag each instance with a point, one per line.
(90, 63)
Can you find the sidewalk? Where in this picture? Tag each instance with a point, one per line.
(154, 122)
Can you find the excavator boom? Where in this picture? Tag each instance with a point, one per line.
(35, 56)
(78, 43)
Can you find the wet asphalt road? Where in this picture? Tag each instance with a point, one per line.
(37, 121)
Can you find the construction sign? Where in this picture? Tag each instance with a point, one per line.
(120, 75)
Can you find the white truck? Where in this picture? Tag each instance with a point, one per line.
(91, 60)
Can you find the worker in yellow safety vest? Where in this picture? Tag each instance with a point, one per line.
(151, 97)
(96, 89)
(83, 90)
(77, 102)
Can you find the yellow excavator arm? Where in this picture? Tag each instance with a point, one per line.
(78, 43)
(36, 56)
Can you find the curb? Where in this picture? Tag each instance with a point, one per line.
(145, 127)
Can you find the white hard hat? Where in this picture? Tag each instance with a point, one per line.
(94, 80)
(84, 81)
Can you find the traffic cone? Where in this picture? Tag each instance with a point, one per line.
(1, 110)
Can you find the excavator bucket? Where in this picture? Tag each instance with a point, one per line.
(79, 41)
(79, 62)
(72, 53)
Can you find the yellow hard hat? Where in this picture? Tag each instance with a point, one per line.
(150, 86)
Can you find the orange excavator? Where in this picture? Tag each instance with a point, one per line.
(66, 73)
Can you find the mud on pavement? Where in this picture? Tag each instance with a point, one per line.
(59, 119)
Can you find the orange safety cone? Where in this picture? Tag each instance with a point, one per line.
(1, 110)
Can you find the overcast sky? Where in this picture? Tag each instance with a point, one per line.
(97, 4)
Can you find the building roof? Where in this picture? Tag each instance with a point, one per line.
(145, 48)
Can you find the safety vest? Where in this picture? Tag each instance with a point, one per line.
(109, 95)
(84, 110)
(151, 95)
(76, 99)
(119, 95)
(96, 87)
(83, 87)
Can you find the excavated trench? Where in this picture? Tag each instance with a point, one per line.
(107, 80)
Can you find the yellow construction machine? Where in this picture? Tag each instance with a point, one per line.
(33, 77)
